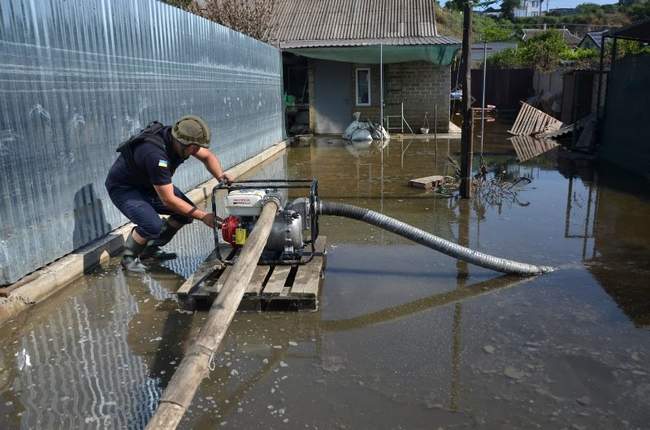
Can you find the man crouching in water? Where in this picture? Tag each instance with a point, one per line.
(140, 185)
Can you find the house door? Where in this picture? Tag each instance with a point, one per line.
(332, 96)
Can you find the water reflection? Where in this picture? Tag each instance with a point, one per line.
(607, 215)
(529, 147)
(405, 337)
(76, 367)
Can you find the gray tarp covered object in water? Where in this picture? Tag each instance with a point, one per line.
(359, 131)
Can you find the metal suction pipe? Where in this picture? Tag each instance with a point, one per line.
(431, 241)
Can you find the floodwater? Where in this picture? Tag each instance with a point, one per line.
(405, 338)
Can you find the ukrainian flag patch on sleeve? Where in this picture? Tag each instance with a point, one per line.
(162, 163)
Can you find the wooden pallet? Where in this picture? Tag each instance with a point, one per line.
(272, 288)
(428, 182)
(531, 121)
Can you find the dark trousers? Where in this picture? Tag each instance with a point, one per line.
(142, 207)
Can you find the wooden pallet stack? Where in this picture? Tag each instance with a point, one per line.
(272, 287)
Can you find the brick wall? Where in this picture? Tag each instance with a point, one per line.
(421, 86)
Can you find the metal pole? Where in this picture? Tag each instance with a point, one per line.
(601, 72)
(381, 88)
(435, 122)
(483, 101)
(468, 122)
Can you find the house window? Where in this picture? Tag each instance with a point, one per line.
(363, 87)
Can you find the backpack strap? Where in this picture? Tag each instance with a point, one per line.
(147, 134)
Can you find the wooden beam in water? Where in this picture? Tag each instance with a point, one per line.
(178, 395)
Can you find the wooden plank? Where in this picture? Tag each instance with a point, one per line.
(292, 274)
(217, 286)
(536, 124)
(515, 127)
(427, 182)
(205, 269)
(257, 281)
(536, 119)
(194, 366)
(308, 276)
(525, 117)
(277, 280)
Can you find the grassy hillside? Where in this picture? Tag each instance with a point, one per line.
(450, 23)
(587, 17)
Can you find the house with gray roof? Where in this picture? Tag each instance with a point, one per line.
(339, 55)
(592, 40)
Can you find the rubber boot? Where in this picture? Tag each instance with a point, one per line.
(153, 251)
(130, 260)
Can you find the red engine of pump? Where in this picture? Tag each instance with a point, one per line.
(228, 229)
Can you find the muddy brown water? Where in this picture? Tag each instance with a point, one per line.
(405, 338)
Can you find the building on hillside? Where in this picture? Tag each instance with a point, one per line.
(592, 40)
(332, 53)
(490, 11)
(571, 39)
(528, 8)
(561, 11)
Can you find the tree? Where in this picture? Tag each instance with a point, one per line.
(639, 11)
(251, 17)
(455, 4)
(508, 8)
(544, 51)
(182, 4)
(588, 8)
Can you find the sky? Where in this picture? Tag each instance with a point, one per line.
(573, 3)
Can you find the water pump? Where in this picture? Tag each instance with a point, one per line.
(294, 228)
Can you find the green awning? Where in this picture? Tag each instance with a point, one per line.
(435, 54)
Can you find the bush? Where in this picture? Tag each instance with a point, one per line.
(495, 33)
(543, 51)
(579, 54)
(507, 59)
(630, 47)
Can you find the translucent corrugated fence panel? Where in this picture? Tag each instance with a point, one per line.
(79, 76)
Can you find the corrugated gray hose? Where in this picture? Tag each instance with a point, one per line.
(429, 240)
